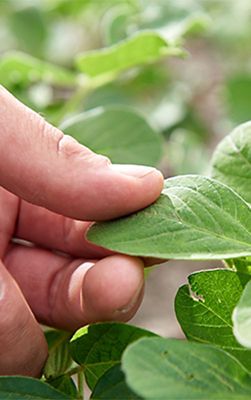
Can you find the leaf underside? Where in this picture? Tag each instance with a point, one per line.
(194, 218)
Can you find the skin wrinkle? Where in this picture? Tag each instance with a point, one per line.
(67, 228)
(8, 218)
(2, 289)
(59, 281)
(53, 290)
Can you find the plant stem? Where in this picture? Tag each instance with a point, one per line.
(74, 370)
(81, 385)
(84, 88)
(73, 103)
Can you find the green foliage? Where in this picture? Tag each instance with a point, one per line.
(238, 97)
(242, 264)
(158, 368)
(204, 310)
(59, 359)
(242, 318)
(29, 27)
(231, 161)
(141, 48)
(112, 385)
(88, 344)
(21, 388)
(64, 384)
(194, 218)
(146, 108)
(21, 68)
(119, 133)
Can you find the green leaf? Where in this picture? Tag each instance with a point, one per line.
(231, 163)
(23, 388)
(194, 218)
(29, 26)
(242, 318)
(112, 385)
(238, 97)
(242, 264)
(59, 359)
(204, 310)
(143, 47)
(167, 369)
(100, 346)
(21, 68)
(64, 384)
(119, 133)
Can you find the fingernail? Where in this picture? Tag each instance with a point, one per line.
(127, 307)
(137, 171)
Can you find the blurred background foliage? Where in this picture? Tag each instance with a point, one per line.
(189, 101)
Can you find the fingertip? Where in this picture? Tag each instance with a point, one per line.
(125, 189)
(154, 181)
(150, 177)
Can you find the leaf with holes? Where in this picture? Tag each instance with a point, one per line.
(204, 310)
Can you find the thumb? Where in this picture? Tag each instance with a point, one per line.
(45, 167)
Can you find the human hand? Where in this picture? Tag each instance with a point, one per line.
(50, 186)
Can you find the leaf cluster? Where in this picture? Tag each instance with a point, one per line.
(197, 217)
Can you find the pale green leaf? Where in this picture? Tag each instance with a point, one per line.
(242, 318)
(204, 310)
(117, 132)
(23, 388)
(143, 47)
(100, 346)
(231, 163)
(21, 68)
(194, 218)
(166, 369)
